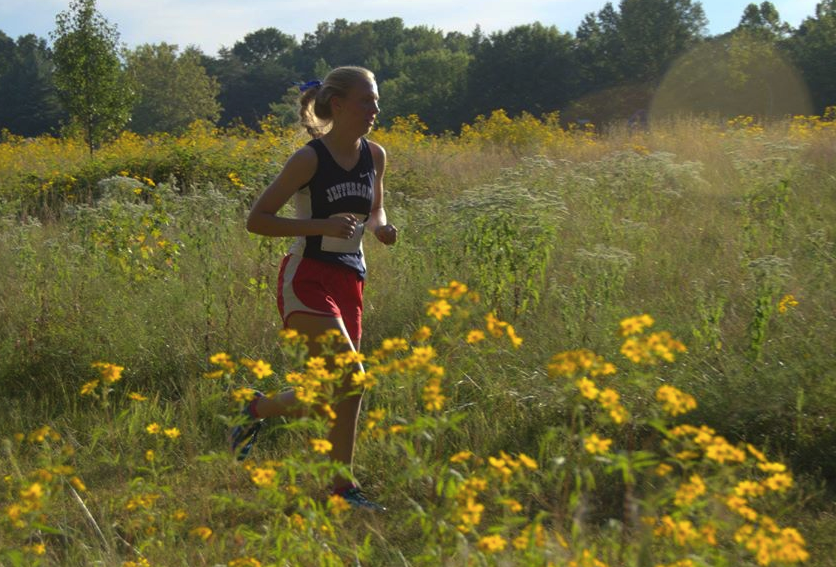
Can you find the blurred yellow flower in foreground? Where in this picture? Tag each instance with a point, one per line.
(321, 445)
(595, 445)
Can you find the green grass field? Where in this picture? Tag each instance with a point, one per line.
(529, 418)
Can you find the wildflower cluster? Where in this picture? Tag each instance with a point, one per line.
(108, 374)
(747, 476)
(27, 497)
(786, 303)
(805, 127)
(641, 348)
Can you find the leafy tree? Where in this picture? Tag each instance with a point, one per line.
(173, 91)
(28, 100)
(266, 44)
(7, 52)
(255, 73)
(597, 49)
(814, 50)
(91, 81)
(527, 68)
(432, 85)
(655, 32)
(763, 20)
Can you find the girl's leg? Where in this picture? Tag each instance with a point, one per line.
(343, 433)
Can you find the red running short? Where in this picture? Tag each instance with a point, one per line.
(320, 288)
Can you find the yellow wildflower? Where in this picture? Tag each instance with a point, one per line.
(786, 303)
(461, 456)
(338, 504)
(421, 334)
(439, 309)
(492, 543)
(689, 491)
(432, 396)
(89, 387)
(348, 358)
(149, 455)
(137, 397)
(778, 482)
(527, 461)
(587, 388)
(34, 492)
(110, 373)
(595, 445)
(363, 379)
(243, 394)
(153, 428)
(772, 467)
(635, 325)
(223, 360)
(475, 336)
(516, 341)
(674, 401)
(172, 433)
(244, 562)
(321, 445)
(513, 505)
(663, 469)
(262, 476)
(757, 454)
(203, 532)
(35, 548)
(78, 484)
(261, 369)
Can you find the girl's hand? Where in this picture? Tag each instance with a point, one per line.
(387, 234)
(340, 226)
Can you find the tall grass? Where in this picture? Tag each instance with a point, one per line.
(486, 451)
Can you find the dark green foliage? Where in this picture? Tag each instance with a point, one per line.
(28, 100)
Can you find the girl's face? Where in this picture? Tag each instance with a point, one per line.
(358, 109)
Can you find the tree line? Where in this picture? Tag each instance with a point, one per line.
(610, 68)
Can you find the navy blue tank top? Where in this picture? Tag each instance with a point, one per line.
(334, 191)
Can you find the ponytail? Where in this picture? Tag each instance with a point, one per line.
(315, 100)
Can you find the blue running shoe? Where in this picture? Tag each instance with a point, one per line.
(355, 497)
(243, 437)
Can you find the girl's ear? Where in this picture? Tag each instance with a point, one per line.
(336, 104)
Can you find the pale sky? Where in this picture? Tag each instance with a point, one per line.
(211, 24)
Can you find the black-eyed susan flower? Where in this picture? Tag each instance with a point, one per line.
(172, 432)
(475, 336)
(262, 476)
(321, 445)
(439, 309)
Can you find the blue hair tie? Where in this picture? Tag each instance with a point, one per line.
(309, 85)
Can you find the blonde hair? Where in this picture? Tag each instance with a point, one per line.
(315, 102)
